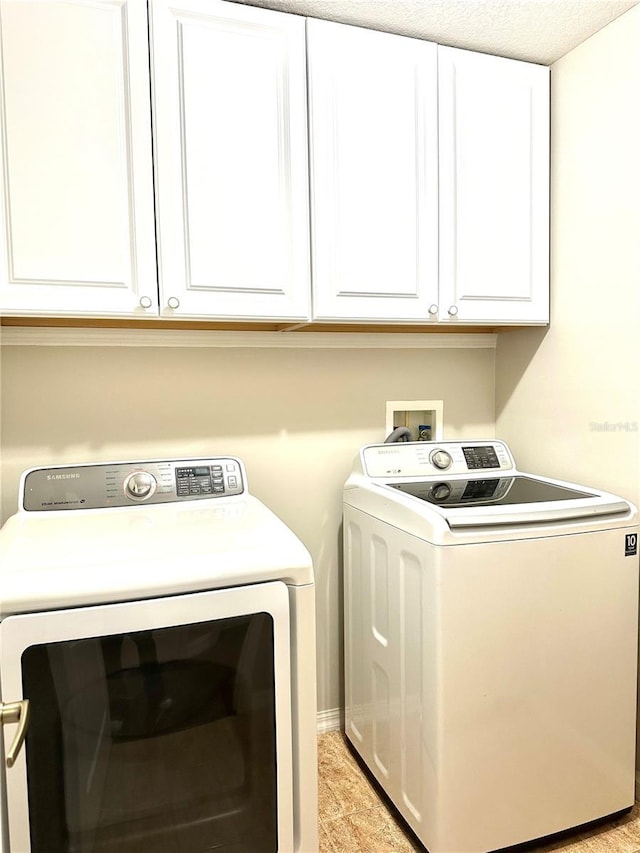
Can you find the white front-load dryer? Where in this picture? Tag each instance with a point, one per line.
(491, 629)
(157, 664)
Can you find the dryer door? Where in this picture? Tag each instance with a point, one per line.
(161, 724)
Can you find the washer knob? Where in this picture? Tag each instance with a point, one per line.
(440, 459)
(140, 485)
(441, 491)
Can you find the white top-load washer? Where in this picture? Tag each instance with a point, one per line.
(168, 617)
(491, 631)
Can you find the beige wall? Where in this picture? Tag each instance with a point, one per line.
(557, 389)
(296, 417)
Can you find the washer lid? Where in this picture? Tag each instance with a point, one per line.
(520, 499)
(50, 560)
(490, 491)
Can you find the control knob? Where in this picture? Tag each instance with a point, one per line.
(440, 459)
(140, 485)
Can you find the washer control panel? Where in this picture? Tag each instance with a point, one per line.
(121, 484)
(433, 458)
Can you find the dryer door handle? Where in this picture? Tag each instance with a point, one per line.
(15, 712)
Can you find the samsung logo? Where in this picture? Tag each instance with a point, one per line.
(63, 476)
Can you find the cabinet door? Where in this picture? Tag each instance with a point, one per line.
(156, 725)
(229, 105)
(374, 173)
(77, 217)
(494, 188)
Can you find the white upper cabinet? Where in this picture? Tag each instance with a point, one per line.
(494, 189)
(155, 161)
(230, 135)
(374, 173)
(77, 222)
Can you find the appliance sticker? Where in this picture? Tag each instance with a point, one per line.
(631, 544)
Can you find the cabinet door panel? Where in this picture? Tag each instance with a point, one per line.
(231, 155)
(373, 120)
(494, 188)
(78, 235)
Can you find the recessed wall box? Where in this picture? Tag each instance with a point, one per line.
(423, 417)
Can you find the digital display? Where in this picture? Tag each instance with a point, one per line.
(481, 457)
(198, 471)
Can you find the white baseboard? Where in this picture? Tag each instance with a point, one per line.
(330, 721)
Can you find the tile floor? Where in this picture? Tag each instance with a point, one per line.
(354, 819)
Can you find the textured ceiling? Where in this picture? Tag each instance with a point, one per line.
(535, 30)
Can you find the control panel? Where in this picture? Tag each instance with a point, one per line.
(131, 483)
(425, 458)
